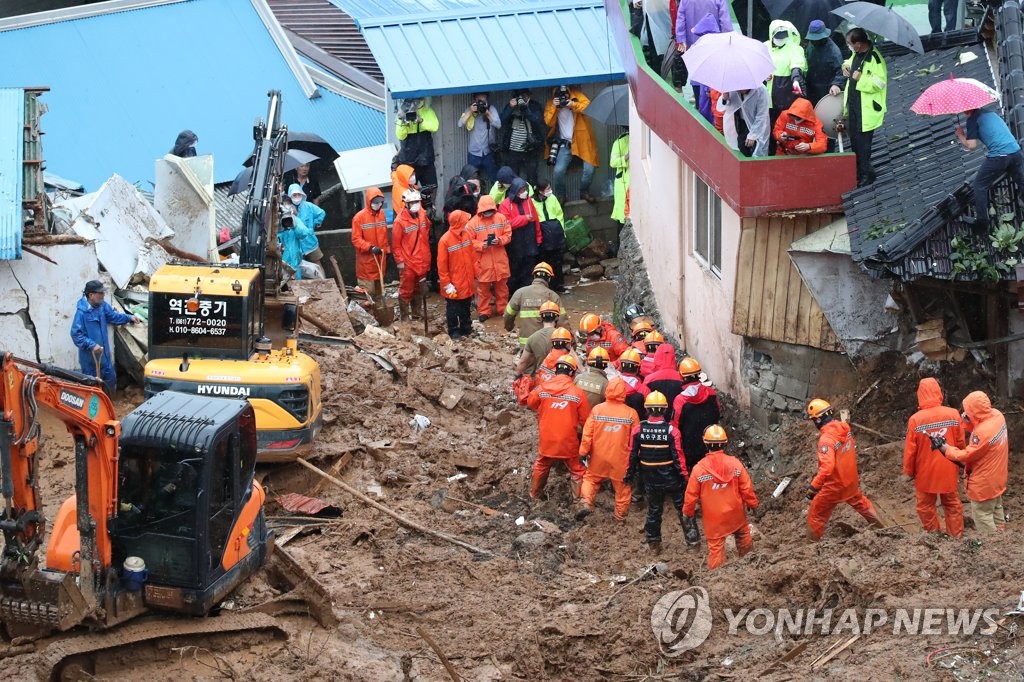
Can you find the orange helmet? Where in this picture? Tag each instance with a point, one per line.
(655, 400)
(631, 357)
(590, 323)
(817, 408)
(550, 309)
(543, 269)
(567, 362)
(688, 367)
(715, 437)
(640, 330)
(561, 336)
(598, 357)
(653, 338)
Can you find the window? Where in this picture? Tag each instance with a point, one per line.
(707, 225)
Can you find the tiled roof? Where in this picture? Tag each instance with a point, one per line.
(921, 169)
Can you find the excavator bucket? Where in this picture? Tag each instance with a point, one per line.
(42, 600)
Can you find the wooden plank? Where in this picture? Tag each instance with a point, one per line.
(787, 277)
(744, 273)
(819, 663)
(771, 275)
(793, 309)
(757, 276)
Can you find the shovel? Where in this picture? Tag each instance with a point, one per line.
(384, 313)
(97, 353)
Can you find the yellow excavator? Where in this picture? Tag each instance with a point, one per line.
(229, 330)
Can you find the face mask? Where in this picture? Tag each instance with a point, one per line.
(414, 207)
(524, 195)
(377, 204)
(296, 200)
(548, 192)
(412, 179)
(476, 193)
(778, 42)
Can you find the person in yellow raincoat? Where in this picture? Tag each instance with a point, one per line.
(570, 129)
(620, 163)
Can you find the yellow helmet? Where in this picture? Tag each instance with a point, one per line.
(656, 399)
(543, 269)
(688, 367)
(630, 356)
(561, 335)
(715, 435)
(817, 408)
(590, 323)
(597, 357)
(567, 361)
(550, 308)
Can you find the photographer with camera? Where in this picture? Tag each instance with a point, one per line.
(481, 122)
(522, 127)
(570, 136)
(415, 128)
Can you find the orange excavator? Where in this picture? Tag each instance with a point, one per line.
(166, 512)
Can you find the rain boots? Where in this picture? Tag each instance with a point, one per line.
(404, 312)
(537, 485)
(691, 531)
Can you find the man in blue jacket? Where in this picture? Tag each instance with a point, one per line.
(89, 333)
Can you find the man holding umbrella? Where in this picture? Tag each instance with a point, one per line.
(865, 76)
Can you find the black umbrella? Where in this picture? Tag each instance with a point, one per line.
(610, 106)
(882, 21)
(292, 160)
(802, 12)
(312, 143)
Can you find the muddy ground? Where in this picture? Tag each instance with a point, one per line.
(554, 600)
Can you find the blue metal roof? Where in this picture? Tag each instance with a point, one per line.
(436, 55)
(124, 84)
(12, 140)
(369, 12)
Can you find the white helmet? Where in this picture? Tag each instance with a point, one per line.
(410, 195)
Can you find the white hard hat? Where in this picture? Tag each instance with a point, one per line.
(411, 195)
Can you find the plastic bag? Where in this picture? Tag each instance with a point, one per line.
(521, 387)
(577, 234)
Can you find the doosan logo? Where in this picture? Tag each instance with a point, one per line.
(72, 400)
(219, 389)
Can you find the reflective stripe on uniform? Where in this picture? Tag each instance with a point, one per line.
(936, 425)
(560, 396)
(456, 247)
(613, 420)
(656, 464)
(524, 314)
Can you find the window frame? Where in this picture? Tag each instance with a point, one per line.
(709, 234)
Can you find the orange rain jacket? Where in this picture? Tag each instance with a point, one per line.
(399, 183)
(369, 229)
(492, 265)
(611, 340)
(837, 462)
(932, 473)
(607, 432)
(561, 410)
(411, 241)
(808, 130)
(456, 259)
(722, 485)
(546, 369)
(987, 454)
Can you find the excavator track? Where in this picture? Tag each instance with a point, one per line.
(52, 658)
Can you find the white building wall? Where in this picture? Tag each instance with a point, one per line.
(696, 304)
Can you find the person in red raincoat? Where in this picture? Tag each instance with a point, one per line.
(410, 238)
(934, 476)
(524, 248)
(798, 131)
(837, 480)
(722, 485)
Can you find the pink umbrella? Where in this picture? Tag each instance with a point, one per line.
(953, 96)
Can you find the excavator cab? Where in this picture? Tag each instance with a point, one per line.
(188, 503)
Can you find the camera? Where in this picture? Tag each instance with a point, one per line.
(411, 116)
(428, 194)
(562, 99)
(520, 102)
(287, 221)
(556, 145)
(481, 106)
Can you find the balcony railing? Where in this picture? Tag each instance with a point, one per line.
(752, 187)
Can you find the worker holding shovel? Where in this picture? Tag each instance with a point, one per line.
(370, 242)
(89, 333)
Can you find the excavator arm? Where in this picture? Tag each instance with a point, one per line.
(80, 403)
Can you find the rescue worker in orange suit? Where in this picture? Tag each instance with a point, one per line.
(665, 378)
(652, 341)
(538, 346)
(694, 409)
(606, 441)
(798, 131)
(491, 233)
(656, 459)
(410, 237)
(836, 480)
(639, 330)
(722, 485)
(602, 334)
(592, 381)
(934, 476)
(562, 410)
(370, 242)
(636, 390)
(561, 344)
(456, 268)
(403, 178)
(986, 460)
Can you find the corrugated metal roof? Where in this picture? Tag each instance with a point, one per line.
(368, 12)
(329, 28)
(139, 77)
(436, 56)
(12, 132)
